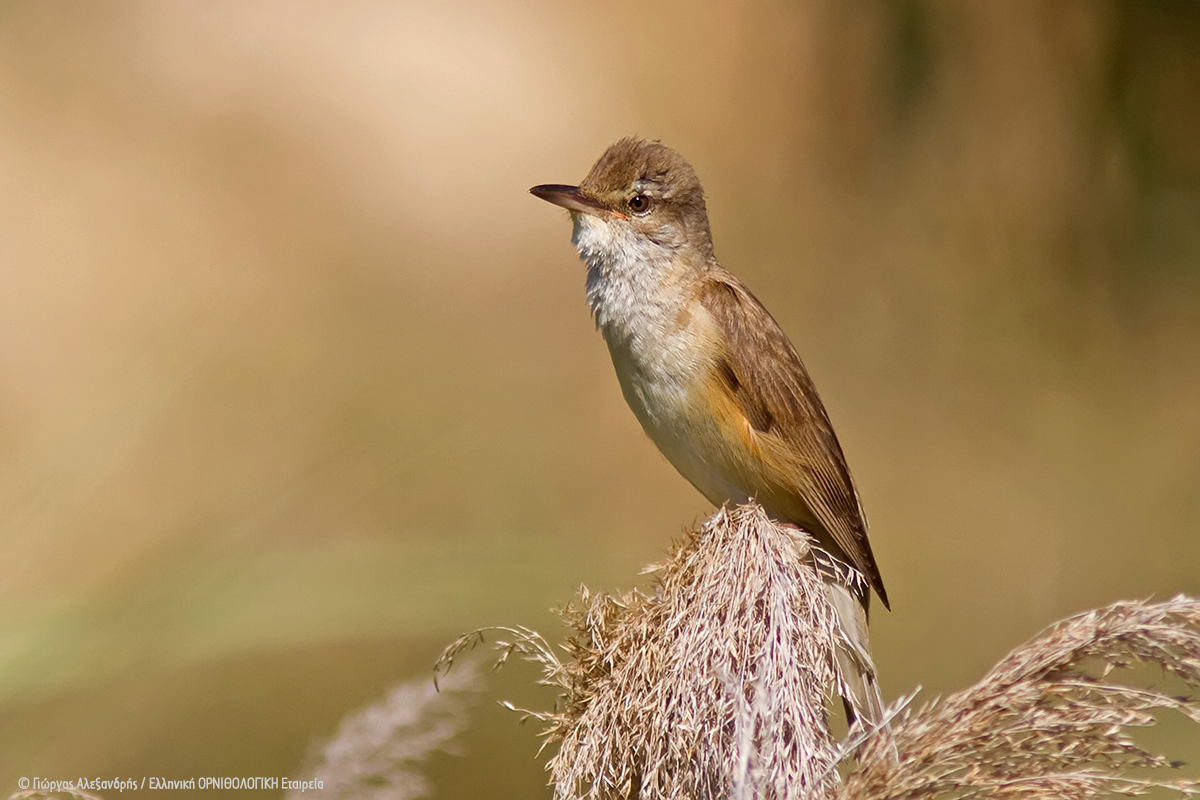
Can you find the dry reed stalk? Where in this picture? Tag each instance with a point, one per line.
(377, 752)
(715, 685)
(1046, 722)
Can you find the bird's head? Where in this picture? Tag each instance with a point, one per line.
(640, 201)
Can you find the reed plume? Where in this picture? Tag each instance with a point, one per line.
(715, 684)
(378, 752)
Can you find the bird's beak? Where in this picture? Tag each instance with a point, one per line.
(570, 198)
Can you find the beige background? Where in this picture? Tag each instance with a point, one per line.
(297, 382)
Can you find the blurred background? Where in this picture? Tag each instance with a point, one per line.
(297, 382)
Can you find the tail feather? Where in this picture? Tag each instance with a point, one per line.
(857, 681)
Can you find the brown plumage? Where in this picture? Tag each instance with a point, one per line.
(775, 393)
(710, 375)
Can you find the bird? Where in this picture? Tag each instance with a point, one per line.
(714, 381)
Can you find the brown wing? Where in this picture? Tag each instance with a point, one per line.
(775, 394)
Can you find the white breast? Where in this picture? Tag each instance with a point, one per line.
(637, 294)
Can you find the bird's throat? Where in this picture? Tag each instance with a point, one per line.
(632, 282)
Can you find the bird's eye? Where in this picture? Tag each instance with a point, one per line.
(639, 203)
